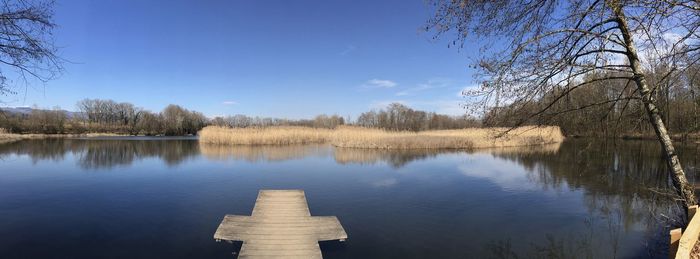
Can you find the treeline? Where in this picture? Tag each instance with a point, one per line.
(243, 121)
(38, 121)
(106, 116)
(396, 117)
(399, 117)
(612, 108)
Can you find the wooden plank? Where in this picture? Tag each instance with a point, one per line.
(281, 226)
(673, 246)
(690, 235)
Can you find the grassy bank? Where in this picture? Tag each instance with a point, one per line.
(10, 137)
(6, 137)
(358, 137)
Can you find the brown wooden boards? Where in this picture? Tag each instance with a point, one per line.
(281, 226)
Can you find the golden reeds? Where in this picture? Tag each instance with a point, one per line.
(263, 136)
(358, 137)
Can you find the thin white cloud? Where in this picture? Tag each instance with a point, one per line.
(348, 49)
(435, 83)
(419, 88)
(229, 102)
(379, 83)
(447, 107)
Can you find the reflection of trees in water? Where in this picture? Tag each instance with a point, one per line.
(621, 174)
(37, 150)
(110, 153)
(625, 183)
(592, 242)
(395, 158)
(93, 154)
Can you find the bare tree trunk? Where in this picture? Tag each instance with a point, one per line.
(684, 189)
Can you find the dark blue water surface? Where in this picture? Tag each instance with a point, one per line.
(164, 198)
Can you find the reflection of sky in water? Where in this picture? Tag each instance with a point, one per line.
(114, 197)
(385, 182)
(506, 174)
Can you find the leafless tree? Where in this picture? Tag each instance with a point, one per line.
(27, 49)
(545, 49)
(180, 121)
(400, 117)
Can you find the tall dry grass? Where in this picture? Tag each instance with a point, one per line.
(471, 138)
(7, 137)
(284, 135)
(358, 137)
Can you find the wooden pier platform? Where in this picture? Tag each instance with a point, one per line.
(281, 226)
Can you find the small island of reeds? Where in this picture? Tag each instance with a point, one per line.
(361, 137)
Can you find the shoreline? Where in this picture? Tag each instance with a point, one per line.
(693, 137)
(12, 137)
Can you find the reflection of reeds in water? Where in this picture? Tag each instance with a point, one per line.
(358, 137)
(266, 153)
(261, 153)
(551, 148)
(396, 158)
(400, 157)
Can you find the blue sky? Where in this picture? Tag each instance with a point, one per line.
(281, 58)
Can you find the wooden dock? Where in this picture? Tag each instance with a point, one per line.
(281, 227)
(683, 241)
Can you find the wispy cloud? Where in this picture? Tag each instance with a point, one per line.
(379, 83)
(507, 175)
(229, 102)
(347, 50)
(431, 84)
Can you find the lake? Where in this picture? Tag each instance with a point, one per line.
(165, 197)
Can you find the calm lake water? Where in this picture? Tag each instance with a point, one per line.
(158, 198)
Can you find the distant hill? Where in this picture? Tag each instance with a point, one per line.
(28, 110)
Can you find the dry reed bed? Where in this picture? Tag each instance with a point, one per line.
(263, 136)
(357, 137)
(6, 137)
